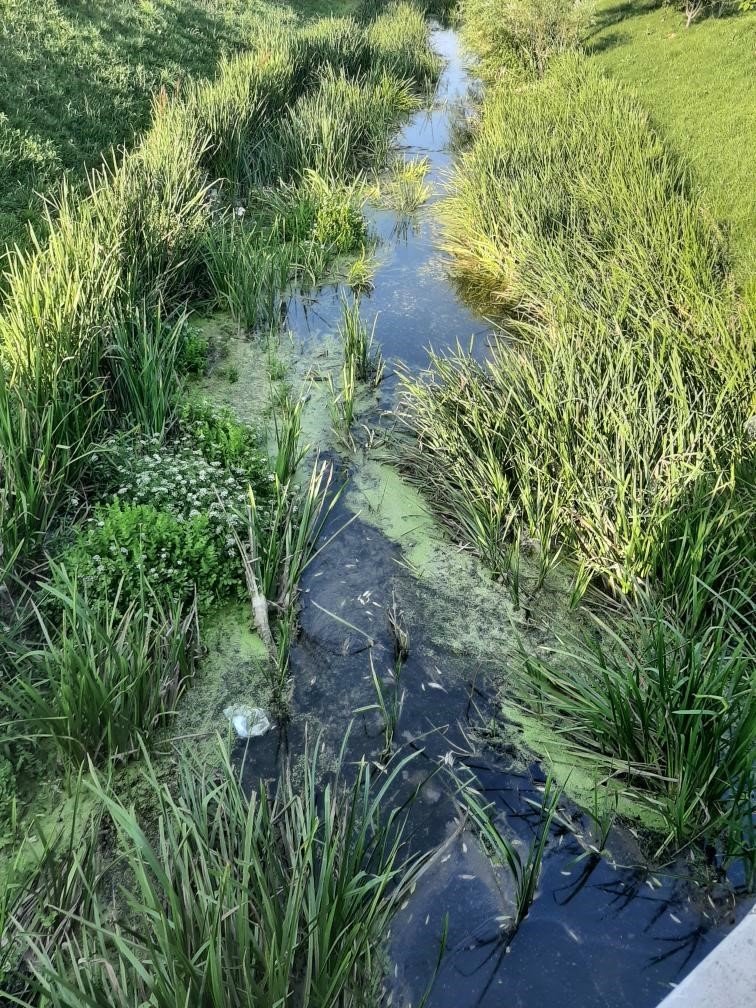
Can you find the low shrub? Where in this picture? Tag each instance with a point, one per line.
(522, 36)
(219, 437)
(193, 352)
(122, 544)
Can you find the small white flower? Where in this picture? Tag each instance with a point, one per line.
(239, 211)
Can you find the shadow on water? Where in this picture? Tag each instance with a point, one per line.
(598, 934)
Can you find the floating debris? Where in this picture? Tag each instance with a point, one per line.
(248, 722)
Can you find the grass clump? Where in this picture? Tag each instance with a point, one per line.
(673, 715)
(627, 388)
(107, 677)
(521, 37)
(405, 189)
(283, 896)
(569, 207)
(360, 352)
(526, 873)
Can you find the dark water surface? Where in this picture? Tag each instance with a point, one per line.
(598, 934)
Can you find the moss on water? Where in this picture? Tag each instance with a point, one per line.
(234, 670)
(465, 612)
(586, 783)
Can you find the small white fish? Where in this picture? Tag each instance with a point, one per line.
(467, 878)
(427, 918)
(435, 685)
(464, 847)
(675, 919)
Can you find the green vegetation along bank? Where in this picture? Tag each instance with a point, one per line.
(77, 77)
(133, 511)
(713, 120)
(613, 428)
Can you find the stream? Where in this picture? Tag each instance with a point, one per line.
(603, 930)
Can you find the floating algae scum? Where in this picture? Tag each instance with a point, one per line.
(604, 929)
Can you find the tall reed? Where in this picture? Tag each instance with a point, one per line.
(279, 897)
(673, 715)
(106, 679)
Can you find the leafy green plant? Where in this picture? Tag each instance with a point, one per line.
(292, 889)
(219, 437)
(183, 557)
(194, 352)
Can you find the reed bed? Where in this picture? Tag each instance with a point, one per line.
(610, 430)
(280, 897)
(242, 185)
(145, 239)
(102, 678)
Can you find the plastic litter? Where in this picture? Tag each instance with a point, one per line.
(248, 722)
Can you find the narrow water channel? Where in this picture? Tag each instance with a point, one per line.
(604, 931)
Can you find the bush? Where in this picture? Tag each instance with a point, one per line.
(522, 35)
(122, 544)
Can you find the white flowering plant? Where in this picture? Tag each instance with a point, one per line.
(170, 510)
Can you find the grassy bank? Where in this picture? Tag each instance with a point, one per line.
(611, 429)
(79, 77)
(130, 511)
(699, 87)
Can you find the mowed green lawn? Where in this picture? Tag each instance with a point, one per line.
(78, 76)
(700, 86)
